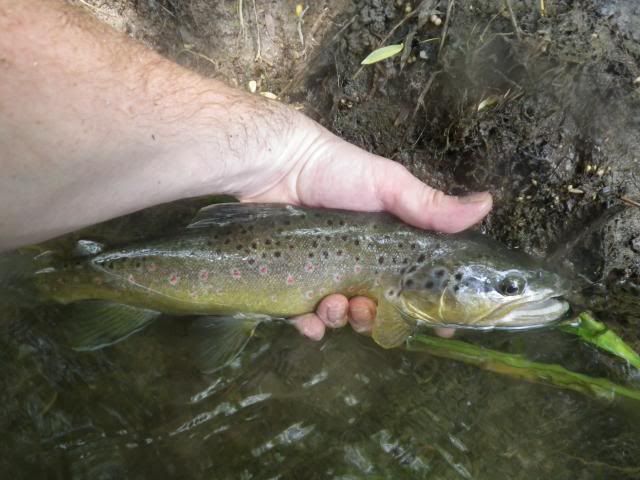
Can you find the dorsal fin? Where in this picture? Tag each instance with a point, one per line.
(224, 213)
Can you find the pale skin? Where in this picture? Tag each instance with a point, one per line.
(94, 126)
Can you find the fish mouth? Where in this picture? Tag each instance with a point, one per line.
(533, 313)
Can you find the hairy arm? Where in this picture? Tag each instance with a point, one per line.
(93, 125)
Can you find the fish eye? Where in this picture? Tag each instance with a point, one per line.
(511, 285)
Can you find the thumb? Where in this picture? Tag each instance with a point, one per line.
(418, 204)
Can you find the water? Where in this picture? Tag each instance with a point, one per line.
(291, 408)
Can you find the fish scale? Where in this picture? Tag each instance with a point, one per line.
(280, 261)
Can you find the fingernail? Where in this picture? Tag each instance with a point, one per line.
(479, 197)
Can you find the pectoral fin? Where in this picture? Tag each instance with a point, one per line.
(390, 329)
(221, 339)
(95, 324)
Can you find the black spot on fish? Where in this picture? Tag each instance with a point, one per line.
(264, 255)
(456, 288)
(381, 260)
(327, 238)
(277, 254)
(421, 258)
(251, 261)
(428, 284)
(458, 276)
(238, 247)
(344, 238)
(339, 252)
(314, 244)
(394, 260)
(405, 261)
(254, 245)
(356, 242)
(110, 265)
(277, 243)
(357, 259)
(209, 242)
(341, 222)
(138, 264)
(402, 270)
(401, 245)
(409, 282)
(267, 241)
(413, 246)
(412, 269)
(291, 247)
(325, 254)
(247, 251)
(330, 222)
(227, 241)
(311, 255)
(439, 272)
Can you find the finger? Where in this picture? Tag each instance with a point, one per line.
(332, 310)
(362, 313)
(309, 325)
(445, 332)
(344, 176)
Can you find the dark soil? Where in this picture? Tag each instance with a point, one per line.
(540, 108)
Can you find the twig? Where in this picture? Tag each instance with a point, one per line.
(259, 53)
(513, 19)
(241, 16)
(445, 29)
(300, 20)
(423, 93)
(630, 201)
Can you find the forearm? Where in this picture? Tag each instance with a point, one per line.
(93, 126)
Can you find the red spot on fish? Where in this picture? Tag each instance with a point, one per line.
(357, 268)
(152, 267)
(174, 279)
(235, 273)
(130, 279)
(337, 278)
(309, 267)
(263, 270)
(290, 279)
(308, 294)
(203, 275)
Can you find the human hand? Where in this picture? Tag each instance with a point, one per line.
(318, 169)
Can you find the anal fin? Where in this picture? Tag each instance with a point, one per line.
(390, 329)
(222, 339)
(95, 324)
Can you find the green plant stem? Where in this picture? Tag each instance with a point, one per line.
(517, 366)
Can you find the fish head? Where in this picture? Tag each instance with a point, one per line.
(486, 291)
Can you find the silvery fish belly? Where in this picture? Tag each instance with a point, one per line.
(257, 261)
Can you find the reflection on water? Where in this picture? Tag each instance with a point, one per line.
(291, 408)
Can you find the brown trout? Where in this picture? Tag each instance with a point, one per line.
(249, 262)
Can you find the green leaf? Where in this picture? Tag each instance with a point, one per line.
(590, 330)
(383, 53)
